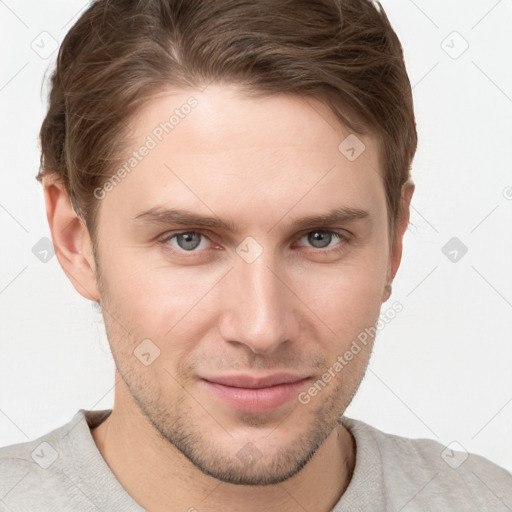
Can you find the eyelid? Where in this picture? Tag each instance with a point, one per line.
(171, 234)
(343, 233)
(344, 236)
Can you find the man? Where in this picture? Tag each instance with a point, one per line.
(229, 181)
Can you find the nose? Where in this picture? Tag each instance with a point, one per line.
(259, 308)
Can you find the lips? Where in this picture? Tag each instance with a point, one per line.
(250, 393)
(254, 382)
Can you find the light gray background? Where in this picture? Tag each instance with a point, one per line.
(441, 369)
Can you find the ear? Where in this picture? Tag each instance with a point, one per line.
(71, 239)
(397, 242)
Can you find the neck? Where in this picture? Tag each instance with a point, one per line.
(160, 478)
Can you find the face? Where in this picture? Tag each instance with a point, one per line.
(221, 326)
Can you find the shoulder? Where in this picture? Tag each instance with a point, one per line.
(445, 475)
(40, 474)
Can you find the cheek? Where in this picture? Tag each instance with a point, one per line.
(163, 302)
(155, 302)
(347, 298)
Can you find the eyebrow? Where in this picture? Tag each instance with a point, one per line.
(168, 216)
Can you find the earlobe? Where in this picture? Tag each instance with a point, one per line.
(397, 245)
(71, 239)
(387, 292)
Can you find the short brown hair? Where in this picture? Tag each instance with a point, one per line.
(120, 52)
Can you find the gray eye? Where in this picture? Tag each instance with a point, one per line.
(320, 239)
(188, 241)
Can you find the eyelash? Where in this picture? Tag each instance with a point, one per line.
(342, 235)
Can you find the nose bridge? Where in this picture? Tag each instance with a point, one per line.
(259, 313)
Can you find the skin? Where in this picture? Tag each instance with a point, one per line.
(259, 163)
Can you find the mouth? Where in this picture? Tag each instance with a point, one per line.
(250, 393)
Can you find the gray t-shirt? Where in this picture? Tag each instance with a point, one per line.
(64, 471)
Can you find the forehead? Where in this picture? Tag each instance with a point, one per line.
(219, 149)
(221, 112)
